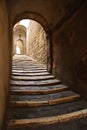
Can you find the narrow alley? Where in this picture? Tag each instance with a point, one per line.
(40, 101)
(43, 65)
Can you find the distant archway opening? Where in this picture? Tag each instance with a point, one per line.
(19, 47)
(18, 50)
(36, 44)
(32, 16)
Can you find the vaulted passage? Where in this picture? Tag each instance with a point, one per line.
(40, 101)
(30, 38)
(43, 66)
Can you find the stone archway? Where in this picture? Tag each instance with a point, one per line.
(42, 21)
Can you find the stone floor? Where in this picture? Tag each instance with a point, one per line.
(39, 101)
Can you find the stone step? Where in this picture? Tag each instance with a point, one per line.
(34, 78)
(36, 122)
(44, 111)
(27, 65)
(38, 101)
(31, 74)
(23, 62)
(28, 71)
(35, 83)
(44, 102)
(35, 91)
(42, 97)
(30, 88)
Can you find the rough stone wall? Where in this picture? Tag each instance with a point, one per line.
(4, 59)
(70, 51)
(37, 43)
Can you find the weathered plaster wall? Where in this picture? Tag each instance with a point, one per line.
(37, 42)
(70, 51)
(4, 59)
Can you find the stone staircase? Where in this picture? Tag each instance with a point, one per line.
(39, 101)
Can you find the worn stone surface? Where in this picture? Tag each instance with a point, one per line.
(27, 78)
(42, 97)
(36, 91)
(37, 42)
(31, 111)
(46, 111)
(80, 124)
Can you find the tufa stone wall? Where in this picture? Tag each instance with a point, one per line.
(37, 43)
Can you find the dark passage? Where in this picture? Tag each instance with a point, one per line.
(40, 101)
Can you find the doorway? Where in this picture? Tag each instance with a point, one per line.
(20, 47)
